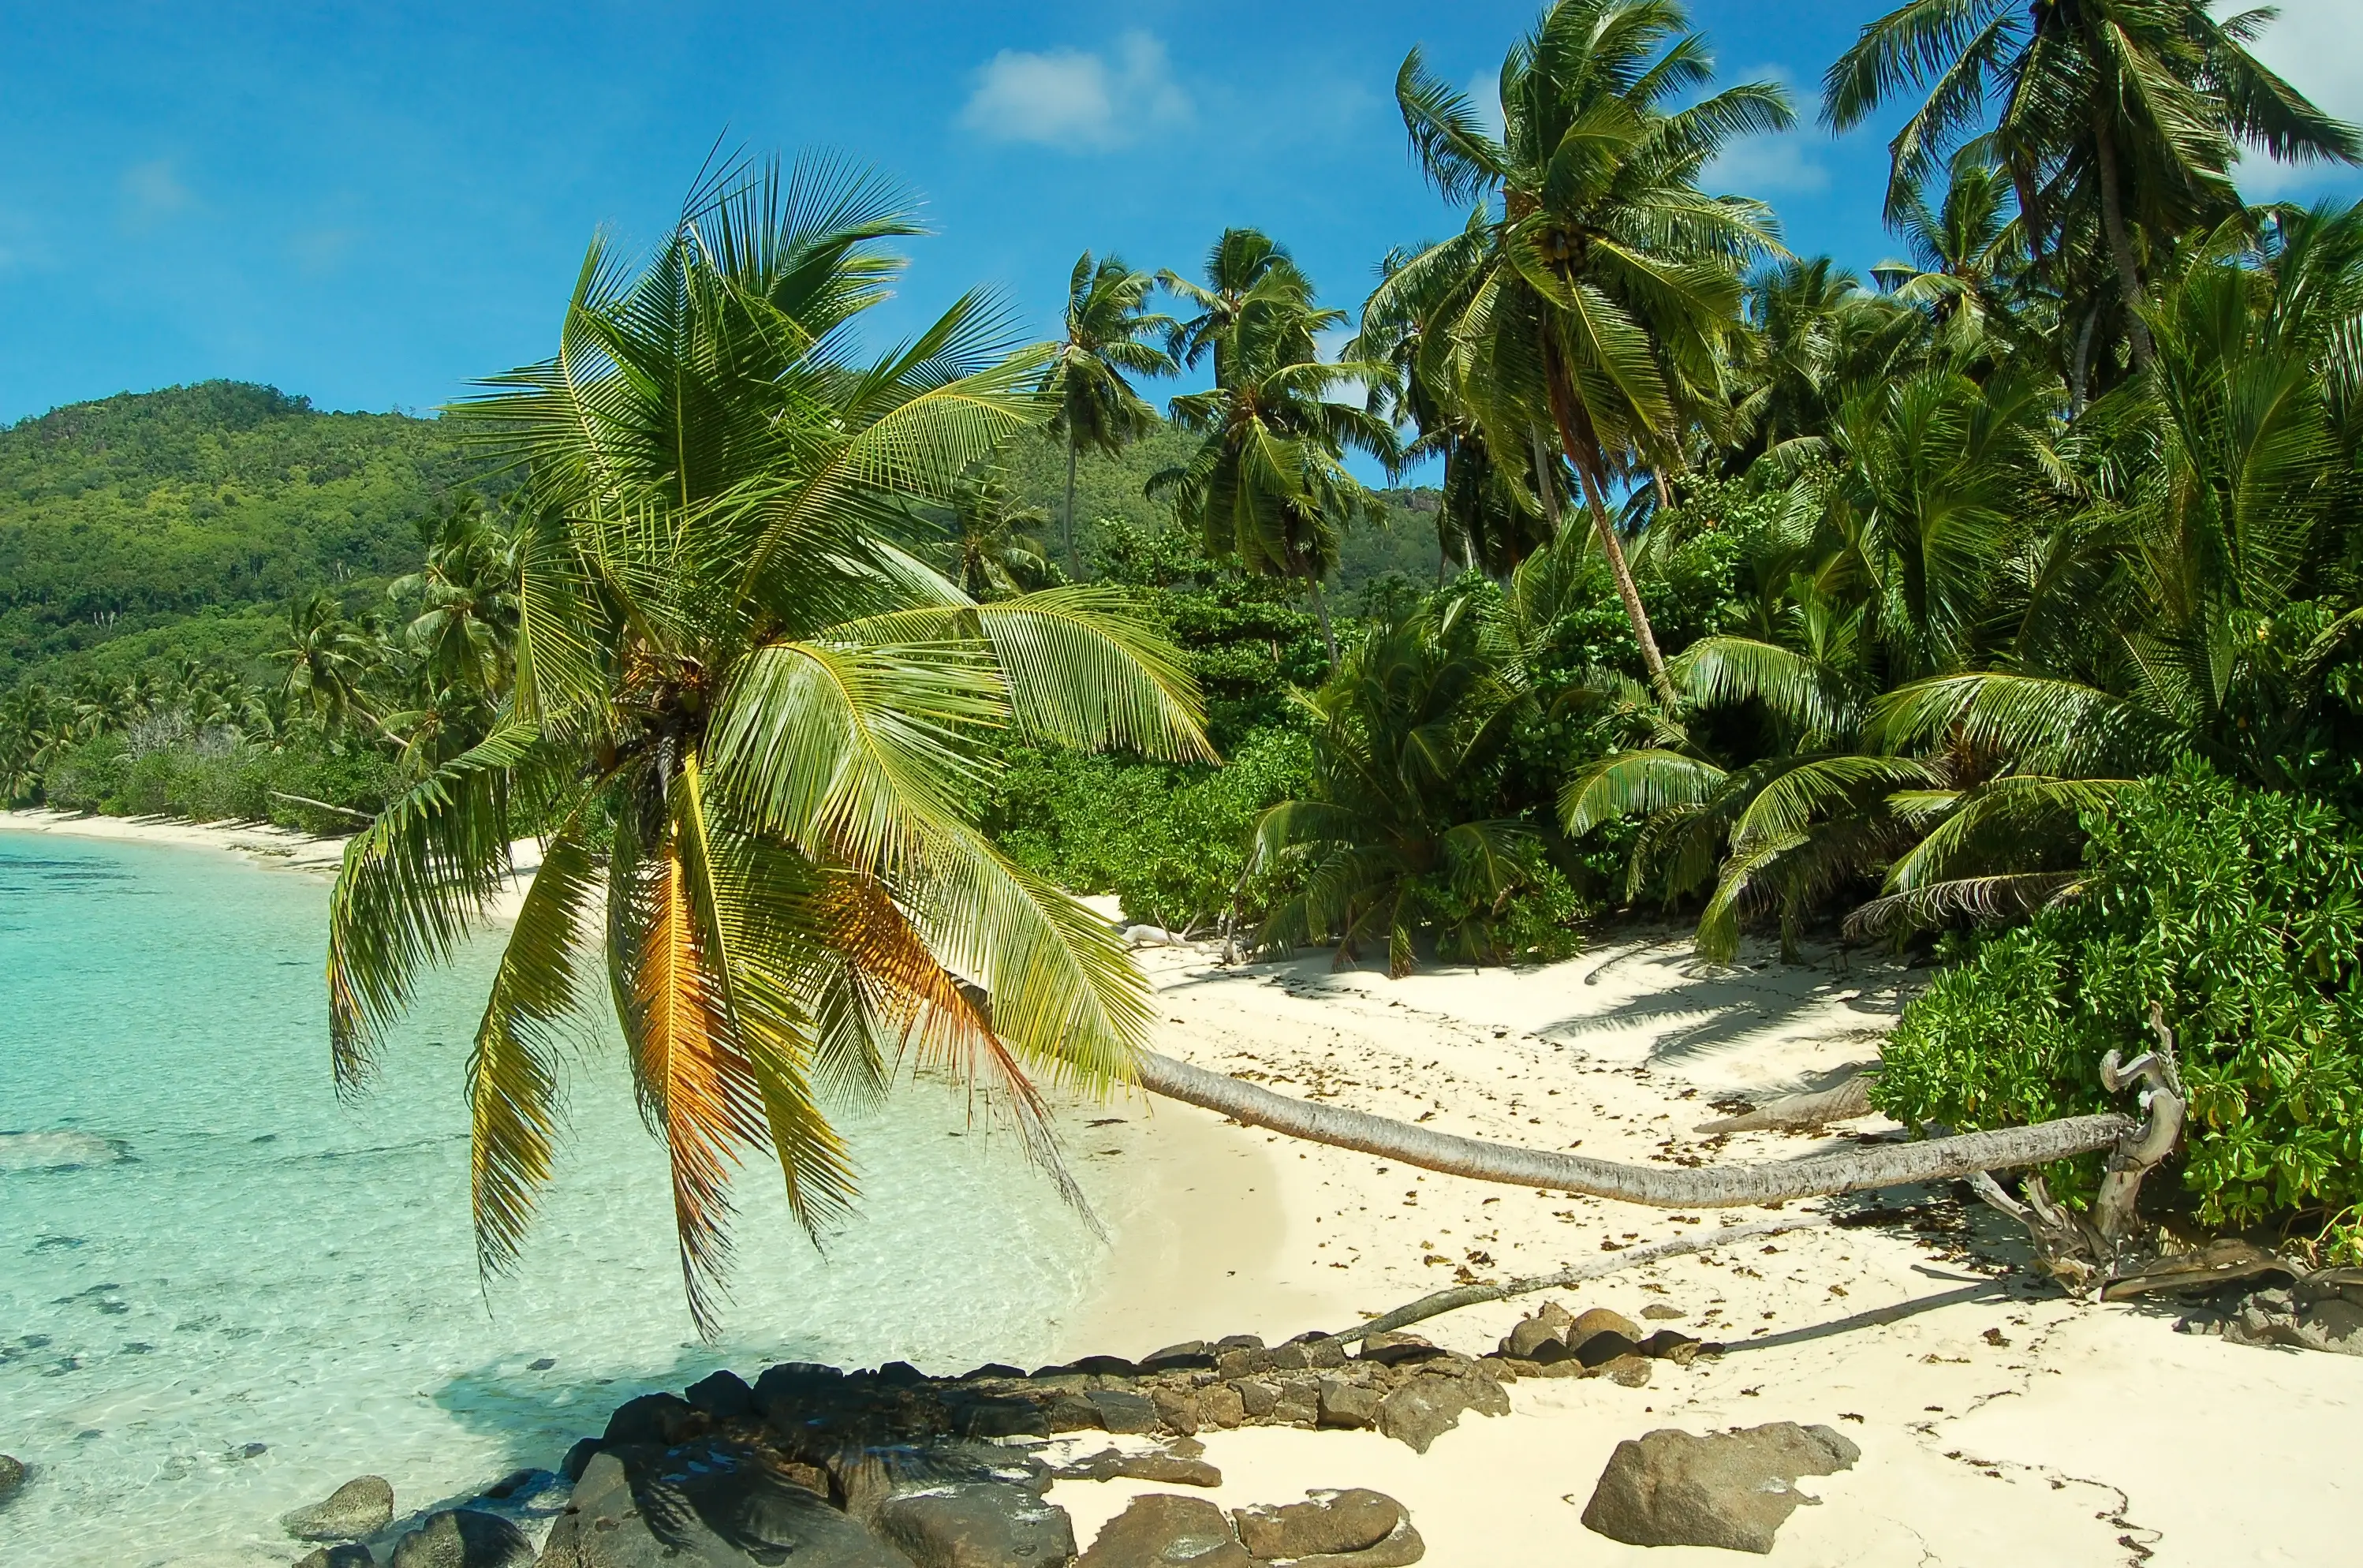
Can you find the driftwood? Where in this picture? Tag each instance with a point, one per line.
(1859, 1169)
(1452, 1300)
(1800, 1113)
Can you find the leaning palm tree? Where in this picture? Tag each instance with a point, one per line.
(330, 659)
(1594, 285)
(2132, 110)
(755, 723)
(1107, 323)
(988, 549)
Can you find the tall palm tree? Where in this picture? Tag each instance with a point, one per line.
(328, 659)
(465, 596)
(1268, 484)
(1107, 323)
(992, 554)
(2132, 109)
(755, 723)
(1241, 263)
(1594, 284)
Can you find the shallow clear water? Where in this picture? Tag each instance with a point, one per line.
(202, 1250)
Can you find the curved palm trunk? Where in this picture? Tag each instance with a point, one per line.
(1074, 562)
(1583, 456)
(1858, 1169)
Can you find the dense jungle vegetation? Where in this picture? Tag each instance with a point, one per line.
(2008, 592)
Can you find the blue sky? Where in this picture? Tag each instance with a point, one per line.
(372, 203)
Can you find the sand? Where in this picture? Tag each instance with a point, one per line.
(1999, 1422)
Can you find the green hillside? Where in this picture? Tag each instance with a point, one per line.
(179, 522)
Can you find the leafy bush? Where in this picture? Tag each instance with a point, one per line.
(205, 780)
(2239, 912)
(1169, 841)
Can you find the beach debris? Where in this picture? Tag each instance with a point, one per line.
(361, 1506)
(464, 1538)
(12, 1471)
(1800, 1113)
(1163, 1530)
(1353, 1529)
(2204, 1270)
(1732, 1489)
(978, 1524)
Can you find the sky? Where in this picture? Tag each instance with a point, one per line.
(371, 205)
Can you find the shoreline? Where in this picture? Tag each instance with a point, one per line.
(265, 843)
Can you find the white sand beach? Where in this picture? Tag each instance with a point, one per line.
(1999, 1421)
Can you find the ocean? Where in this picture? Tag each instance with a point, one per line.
(223, 1292)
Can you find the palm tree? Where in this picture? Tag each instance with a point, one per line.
(991, 553)
(466, 596)
(328, 659)
(1240, 262)
(755, 723)
(1107, 319)
(1268, 484)
(1594, 284)
(2129, 108)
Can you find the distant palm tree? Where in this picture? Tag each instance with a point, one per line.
(466, 598)
(1594, 285)
(1107, 321)
(749, 724)
(993, 555)
(328, 659)
(1268, 484)
(1239, 263)
(2132, 109)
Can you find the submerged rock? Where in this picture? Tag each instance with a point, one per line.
(1732, 1490)
(1161, 1529)
(361, 1506)
(12, 1477)
(347, 1555)
(464, 1538)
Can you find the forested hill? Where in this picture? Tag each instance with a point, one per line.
(164, 523)
(158, 526)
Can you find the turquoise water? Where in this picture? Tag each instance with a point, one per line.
(223, 1293)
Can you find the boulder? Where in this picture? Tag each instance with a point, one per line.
(1257, 1397)
(718, 1507)
(1177, 1408)
(361, 1506)
(1345, 1403)
(577, 1459)
(1394, 1349)
(1630, 1369)
(1120, 1412)
(1548, 1324)
(12, 1477)
(722, 1395)
(1221, 1405)
(348, 1555)
(1666, 1345)
(464, 1538)
(1732, 1490)
(662, 1419)
(1299, 1404)
(1422, 1411)
(1356, 1528)
(978, 1524)
(1163, 1530)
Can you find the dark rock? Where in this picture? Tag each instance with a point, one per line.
(1299, 1402)
(1422, 1411)
(464, 1538)
(993, 1369)
(976, 1414)
(516, 1483)
(1665, 1345)
(705, 1508)
(1167, 1469)
(1395, 1350)
(1321, 1350)
(1107, 1366)
(347, 1555)
(1285, 1358)
(1190, 1355)
(1600, 1320)
(1221, 1405)
(662, 1419)
(978, 1524)
(1238, 1342)
(12, 1477)
(722, 1395)
(1122, 1412)
(1732, 1490)
(1357, 1528)
(361, 1506)
(1163, 1530)
(577, 1457)
(901, 1375)
(1603, 1345)
(1177, 1409)
(1348, 1404)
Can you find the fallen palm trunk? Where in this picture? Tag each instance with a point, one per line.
(1798, 1113)
(1859, 1169)
(1444, 1301)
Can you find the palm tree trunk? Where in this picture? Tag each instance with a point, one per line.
(1581, 458)
(2121, 250)
(1074, 562)
(1321, 608)
(1544, 481)
(2080, 367)
(1858, 1169)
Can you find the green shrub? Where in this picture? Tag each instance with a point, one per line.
(207, 783)
(2239, 912)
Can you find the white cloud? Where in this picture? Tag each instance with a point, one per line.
(1075, 99)
(152, 192)
(2317, 47)
(1764, 166)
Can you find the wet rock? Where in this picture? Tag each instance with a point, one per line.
(517, 1482)
(724, 1395)
(464, 1538)
(703, 1507)
(348, 1555)
(1356, 1528)
(664, 1420)
(1163, 1530)
(577, 1458)
(1732, 1490)
(361, 1506)
(12, 1477)
(1345, 1403)
(978, 1524)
